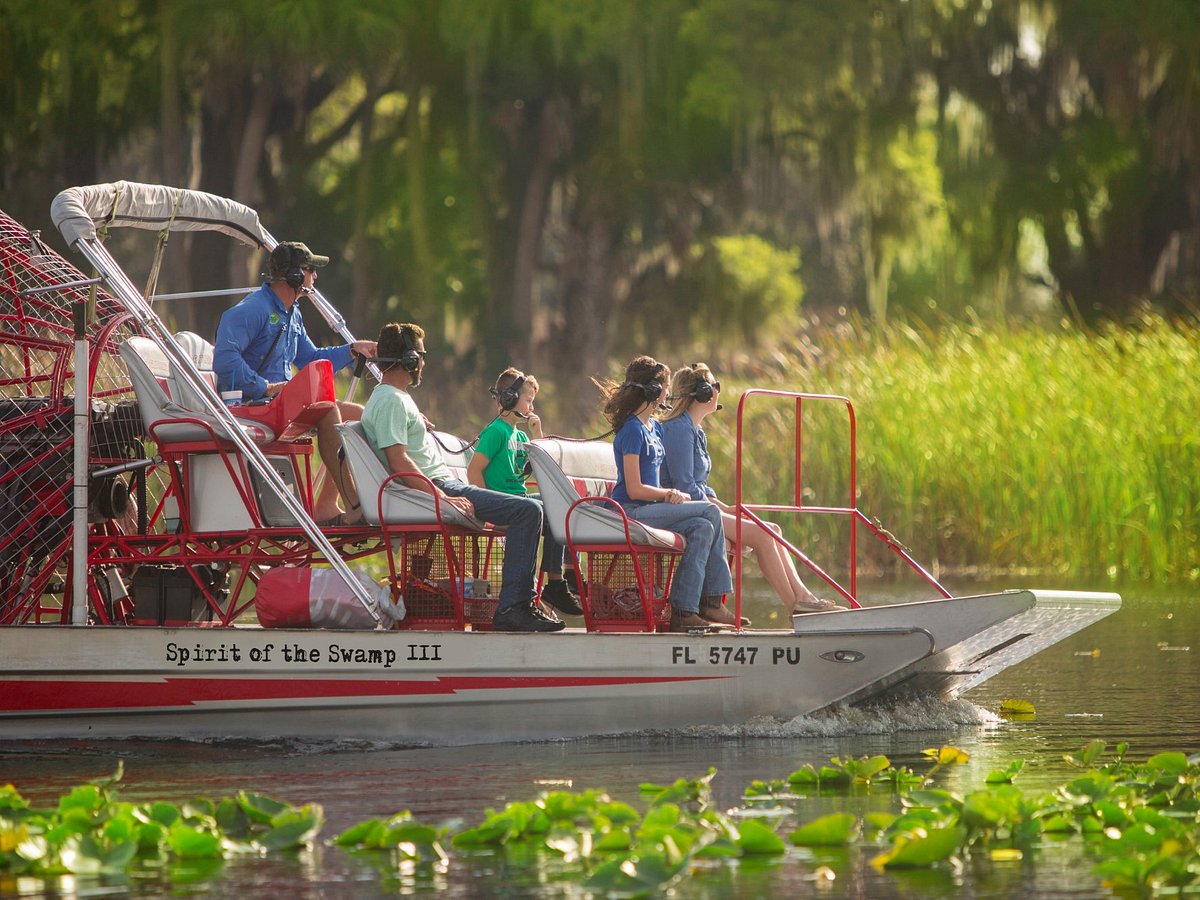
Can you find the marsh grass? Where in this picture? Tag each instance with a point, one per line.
(1046, 452)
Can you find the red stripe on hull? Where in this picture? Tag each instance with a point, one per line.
(41, 696)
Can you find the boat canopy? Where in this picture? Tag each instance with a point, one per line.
(78, 212)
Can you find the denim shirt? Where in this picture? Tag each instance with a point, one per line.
(687, 463)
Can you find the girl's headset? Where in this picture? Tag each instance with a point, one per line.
(651, 389)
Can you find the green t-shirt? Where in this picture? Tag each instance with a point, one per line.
(502, 446)
(391, 417)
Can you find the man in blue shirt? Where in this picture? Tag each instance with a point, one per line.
(262, 338)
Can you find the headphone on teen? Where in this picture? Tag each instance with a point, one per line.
(508, 397)
(288, 261)
(704, 390)
(651, 389)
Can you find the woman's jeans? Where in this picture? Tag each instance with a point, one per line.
(702, 570)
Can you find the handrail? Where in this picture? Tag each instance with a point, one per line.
(747, 511)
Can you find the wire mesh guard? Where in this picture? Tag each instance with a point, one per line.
(448, 583)
(37, 386)
(612, 596)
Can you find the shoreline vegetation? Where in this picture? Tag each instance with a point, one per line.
(1056, 452)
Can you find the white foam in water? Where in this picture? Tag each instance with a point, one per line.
(929, 714)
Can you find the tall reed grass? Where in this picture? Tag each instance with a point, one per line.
(1051, 452)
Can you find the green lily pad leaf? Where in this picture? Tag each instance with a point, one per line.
(923, 848)
(408, 833)
(946, 755)
(806, 774)
(757, 839)
(933, 798)
(191, 843)
(231, 818)
(1058, 824)
(722, 847)
(618, 813)
(85, 797)
(293, 828)
(364, 834)
(1141, 838)
(834, 830)
(614, 840)
(1016, 708)
(163, 813)
(1087, 755)
(1006, 775)
(1173, 763)
(260, 808)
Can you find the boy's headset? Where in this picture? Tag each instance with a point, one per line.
(508, 397)
(651, 389)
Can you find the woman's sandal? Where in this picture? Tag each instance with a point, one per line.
(340, 521)
(814, 605)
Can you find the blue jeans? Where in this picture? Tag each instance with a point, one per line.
(702, 571)
(553, 552)
(524, 520)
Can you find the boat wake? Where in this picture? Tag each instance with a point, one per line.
(922, 714)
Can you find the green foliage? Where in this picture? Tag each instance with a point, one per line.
(1139, 820)
(92, 832)
(1047, 451)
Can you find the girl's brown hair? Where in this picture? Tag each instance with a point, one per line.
(623, 400)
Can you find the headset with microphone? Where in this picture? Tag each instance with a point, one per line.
(409, 359)
(651, 389)
(510, 396)
(290, 261)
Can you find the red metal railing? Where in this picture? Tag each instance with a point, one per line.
(749, 511)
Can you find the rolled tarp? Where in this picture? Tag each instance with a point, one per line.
(78, 212)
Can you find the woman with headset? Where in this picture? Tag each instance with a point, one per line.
(694, 395)
(701, 574)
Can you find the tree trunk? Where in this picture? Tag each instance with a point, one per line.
(580, 342)
(421, 286)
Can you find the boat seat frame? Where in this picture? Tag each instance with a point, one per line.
(575, 480)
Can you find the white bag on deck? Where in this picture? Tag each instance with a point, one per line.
(293, 597)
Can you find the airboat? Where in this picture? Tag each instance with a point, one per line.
(161, 575)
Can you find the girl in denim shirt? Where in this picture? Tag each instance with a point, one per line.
(694, 395)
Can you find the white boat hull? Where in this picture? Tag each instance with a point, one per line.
(463, 687)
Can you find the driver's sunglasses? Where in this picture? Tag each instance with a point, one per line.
(716, 385)
(309, 269)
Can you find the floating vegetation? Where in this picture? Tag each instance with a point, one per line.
(92, 832)
(1139, 821)
(1017, 709)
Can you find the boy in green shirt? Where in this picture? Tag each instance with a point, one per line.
(498, 464)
